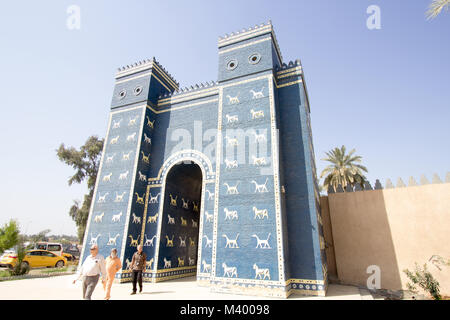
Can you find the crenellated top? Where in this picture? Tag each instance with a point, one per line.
(189, 89)
(389, 185)
(142, 66)
(250, 33)
(291, 64)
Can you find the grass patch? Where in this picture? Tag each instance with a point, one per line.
(4, 273)
(55, 270)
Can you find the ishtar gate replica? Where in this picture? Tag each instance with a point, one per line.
(237, 206)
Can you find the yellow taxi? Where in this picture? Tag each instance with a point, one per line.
(43, 258)
(8, 259)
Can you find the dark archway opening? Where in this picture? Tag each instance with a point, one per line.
(178, 247)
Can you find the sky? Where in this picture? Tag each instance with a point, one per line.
(384, 92)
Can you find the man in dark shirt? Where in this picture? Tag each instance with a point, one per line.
(137, 266)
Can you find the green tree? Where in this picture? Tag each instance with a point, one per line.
(436, 7)
(9, 235)
(344, 169)
(85, 161)
(41, 236)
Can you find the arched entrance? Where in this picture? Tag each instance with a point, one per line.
(180, 219)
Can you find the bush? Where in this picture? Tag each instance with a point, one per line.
(424, 279)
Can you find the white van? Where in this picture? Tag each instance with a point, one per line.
(55, 248)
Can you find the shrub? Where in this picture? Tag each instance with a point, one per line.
(424, 279)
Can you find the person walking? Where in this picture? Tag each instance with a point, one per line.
(112, 266)
(137, 266)
(90, 270)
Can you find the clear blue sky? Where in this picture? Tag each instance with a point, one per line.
(384, 92)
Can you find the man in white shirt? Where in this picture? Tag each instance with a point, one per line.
(90, 270)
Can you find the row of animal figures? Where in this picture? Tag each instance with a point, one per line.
(231, 271)
(228, 271)
(233, 243)
(234, 140)
(185, 203)
(256, 114)
(126, 157)
(132, 122)
(255, 95)
(256, 161)
(259, 188)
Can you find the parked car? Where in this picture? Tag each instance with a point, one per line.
(44, 258)
(8, 259)
(73, 250)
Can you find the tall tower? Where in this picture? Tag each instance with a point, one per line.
(216, 180)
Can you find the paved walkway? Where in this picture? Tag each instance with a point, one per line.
(61, 288)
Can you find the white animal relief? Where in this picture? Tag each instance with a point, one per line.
(116, 124)
(126, 156)
(231, 164)
(110, 159)
(94, 240)
(107, 178)
(149, 242)
(194, 223)
(232, 119)
(260, 187)
(136, 219)
(259, 161)
(167, 263)
(210, 194)
(98, 218)
(262, 243)
(229, 271)
(182, 242)
(230, 214)
(116, 217)
(231, 189)
(171, 220)
(149, 263)
(209, 217)
(132, 122)
(114, 140)
(123, 176)
(233, 100)
(191, 261)
(261, 273)
(102, 199)
(153, 199)
(258, 94)
(231, 243)
(256, 114)
(142, 177)
(208, 242)
(206, 266)
(260, 213)
(119, 197)
(147, 139)
(112, 240)
(131, 137)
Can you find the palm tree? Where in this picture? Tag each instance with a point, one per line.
(436, 6)
(344, 169)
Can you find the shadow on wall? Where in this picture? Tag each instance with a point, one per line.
(391, 229)
(362, 239)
